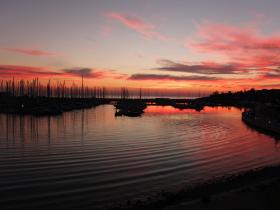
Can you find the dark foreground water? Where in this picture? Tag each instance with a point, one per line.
(90, 159)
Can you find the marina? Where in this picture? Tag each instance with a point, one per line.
(86, 155)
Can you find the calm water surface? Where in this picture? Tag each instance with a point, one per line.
(90, 159)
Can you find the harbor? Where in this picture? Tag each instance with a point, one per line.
(139, 105)
(87, 154)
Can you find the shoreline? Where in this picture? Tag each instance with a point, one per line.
(261, 124)
(49, 106)
(223, 192)
(43, 106)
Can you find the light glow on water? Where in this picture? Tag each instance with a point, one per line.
(89, 158)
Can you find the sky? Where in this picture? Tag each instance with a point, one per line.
(189, 45)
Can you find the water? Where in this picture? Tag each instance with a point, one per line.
(90, 159)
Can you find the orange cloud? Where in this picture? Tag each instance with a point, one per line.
(31, 72)
(26, 71)
(93, 73)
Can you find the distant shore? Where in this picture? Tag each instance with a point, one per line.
(42, 105)
(256, 189)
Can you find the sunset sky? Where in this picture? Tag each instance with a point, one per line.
(180, 44)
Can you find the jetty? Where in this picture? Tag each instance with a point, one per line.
(265, 117)
(45, 106)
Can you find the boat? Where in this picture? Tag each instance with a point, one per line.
(196, 106)
(130, 108)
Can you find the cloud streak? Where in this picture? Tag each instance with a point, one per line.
(206, 68)
(238, 44)
(162, 77)
(147, 30)
(94, 73)
(85, 72)
(31, 72)
(26, 71)
(29, 51)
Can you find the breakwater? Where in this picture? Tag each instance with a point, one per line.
(44, 105)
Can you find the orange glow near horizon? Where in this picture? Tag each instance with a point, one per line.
(169, 110)
(124, 48)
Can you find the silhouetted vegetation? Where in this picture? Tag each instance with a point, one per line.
(263, 107)
(242, 98)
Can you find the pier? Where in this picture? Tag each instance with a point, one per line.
(264, 118)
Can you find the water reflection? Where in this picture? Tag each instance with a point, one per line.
(32, 129)
(90, 158)
(260, 131)
(78, 126)
(169, 110)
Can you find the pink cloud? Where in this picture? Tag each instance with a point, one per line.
(238, 44)
(41, 72)
(30, 51)
(251, 58)
(26, 71)
(94, 73)
(147, 30)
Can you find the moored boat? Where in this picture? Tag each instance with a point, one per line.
(131, 108)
